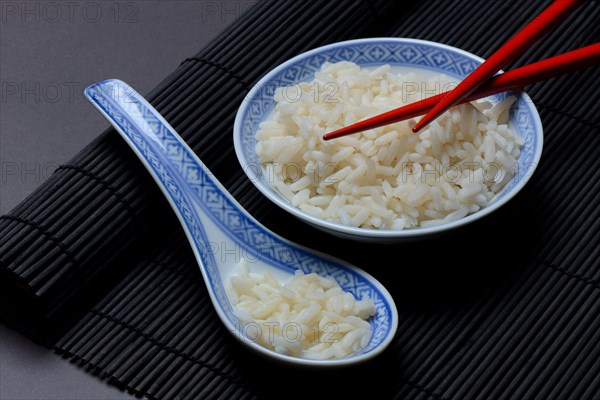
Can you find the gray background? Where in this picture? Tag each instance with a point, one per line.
(49, 52)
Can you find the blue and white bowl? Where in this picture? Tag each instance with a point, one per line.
(397, 52)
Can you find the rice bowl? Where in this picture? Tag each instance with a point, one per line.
(511, 138)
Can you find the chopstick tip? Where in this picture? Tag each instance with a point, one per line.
(340, 132)
(417, 127)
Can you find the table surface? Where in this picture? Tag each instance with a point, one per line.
(49, 52)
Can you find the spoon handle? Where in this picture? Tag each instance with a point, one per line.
(184, 180)
(162, 151)
(198, 198)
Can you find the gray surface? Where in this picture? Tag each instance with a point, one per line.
(47, 57)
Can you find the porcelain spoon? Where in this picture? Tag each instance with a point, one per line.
(221, 232)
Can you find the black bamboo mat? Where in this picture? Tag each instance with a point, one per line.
(66, 237)
(508, 308)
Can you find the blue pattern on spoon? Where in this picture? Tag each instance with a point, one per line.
(213, 220)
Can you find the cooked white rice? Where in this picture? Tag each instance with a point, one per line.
(308, 316)
(384, 178)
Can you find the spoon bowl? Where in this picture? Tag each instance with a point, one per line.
(222, 233)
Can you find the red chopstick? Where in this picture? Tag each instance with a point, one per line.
(533, 31)
(514, 79)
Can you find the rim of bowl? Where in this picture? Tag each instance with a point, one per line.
(269, 192)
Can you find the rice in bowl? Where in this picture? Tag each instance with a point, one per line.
(384, 178)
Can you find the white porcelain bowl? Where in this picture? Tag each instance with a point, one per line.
(441, 58)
